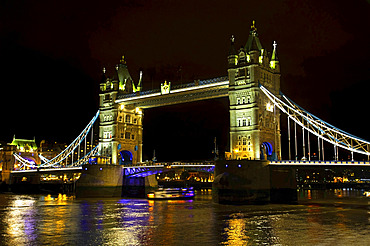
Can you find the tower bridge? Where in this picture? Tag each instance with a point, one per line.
(256, 104)
(254, 121)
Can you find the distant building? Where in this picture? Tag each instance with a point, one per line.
(28, 150)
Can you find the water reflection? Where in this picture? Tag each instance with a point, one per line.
(65, 220)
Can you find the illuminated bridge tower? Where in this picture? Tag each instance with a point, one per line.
(254, 122)
(120, 129)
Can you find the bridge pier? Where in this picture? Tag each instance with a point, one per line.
(138, 186)
(250, 182)
(100, 181)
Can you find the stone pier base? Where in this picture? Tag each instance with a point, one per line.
(253, 182)
(138, 186)
(100, 181)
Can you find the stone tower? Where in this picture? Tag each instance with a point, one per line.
(120, 128)
(254, 121)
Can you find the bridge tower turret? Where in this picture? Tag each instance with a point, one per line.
(120, 129)
(108, 118)
(254, 122)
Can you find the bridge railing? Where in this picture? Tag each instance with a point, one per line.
(170, 164)
(332, 162)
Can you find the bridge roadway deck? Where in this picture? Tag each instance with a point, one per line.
(54, 169)
(154, 168)
(321, 163)
(198, 90)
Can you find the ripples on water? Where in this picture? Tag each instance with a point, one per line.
(339, 217)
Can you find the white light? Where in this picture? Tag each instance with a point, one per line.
(269, 107)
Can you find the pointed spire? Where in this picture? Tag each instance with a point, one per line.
(274, 62)
(274, 52)
(232, 46)
(104, 77)
(253, 42)
(139, 86)
(253, 26)
(233, 57)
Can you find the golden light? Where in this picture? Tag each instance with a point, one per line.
(138, 111)
(270, 107)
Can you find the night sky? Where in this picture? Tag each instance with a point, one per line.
(52, 54)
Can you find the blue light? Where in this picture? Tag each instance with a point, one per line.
(239, 165)
(226, 165)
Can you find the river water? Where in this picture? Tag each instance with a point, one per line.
(335, 217)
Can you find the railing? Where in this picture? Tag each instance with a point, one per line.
(301, 162)
(169, 164)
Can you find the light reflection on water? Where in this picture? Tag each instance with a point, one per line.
(322, 218)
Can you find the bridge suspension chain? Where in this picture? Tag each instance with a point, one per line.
(318, 127)
(67, 151)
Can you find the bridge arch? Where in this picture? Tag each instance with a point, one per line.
(126, 157)
(266, 150)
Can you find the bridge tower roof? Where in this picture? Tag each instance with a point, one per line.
(124, 77)
(253, 42)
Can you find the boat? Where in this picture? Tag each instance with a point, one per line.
(172, 193)
(367, 193)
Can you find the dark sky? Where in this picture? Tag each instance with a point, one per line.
(52, 54)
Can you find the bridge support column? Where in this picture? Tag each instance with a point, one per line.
(249, 182)
(138, 186)
(100, 181)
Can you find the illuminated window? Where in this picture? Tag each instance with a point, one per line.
(244, 141)
(128, 119)
(244, 122)
(249, 121)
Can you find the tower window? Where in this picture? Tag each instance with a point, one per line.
(244, 141)
(245, 122)
(239, 122)
(238, 100)
(243, 100)
(128, 119)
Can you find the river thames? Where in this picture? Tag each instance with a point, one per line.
(334, 217)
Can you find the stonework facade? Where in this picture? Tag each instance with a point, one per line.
(120, 128)
(254, 122)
